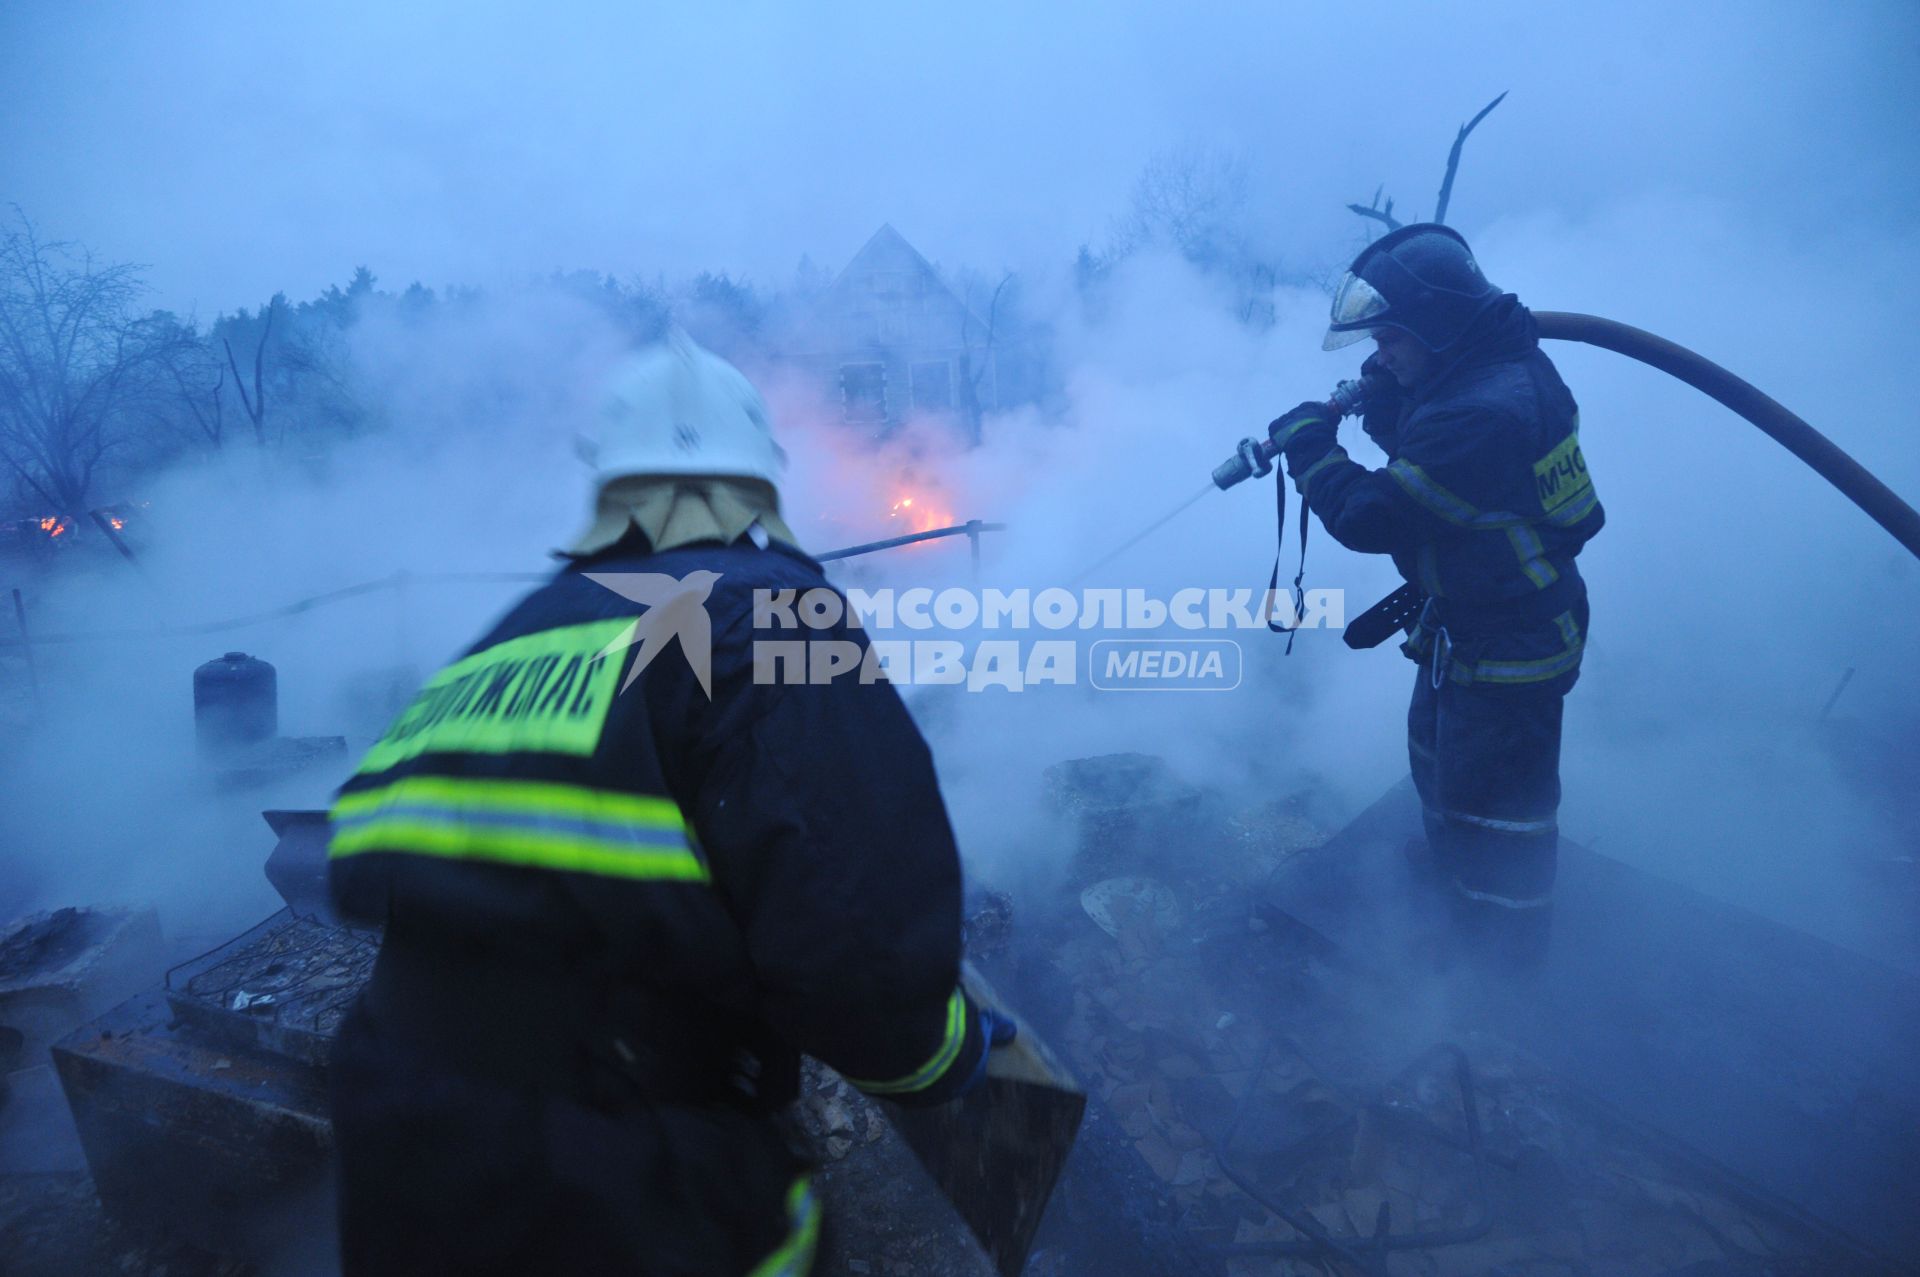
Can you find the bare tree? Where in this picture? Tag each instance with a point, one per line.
(1374, 211)
(206, 404)
(256, 404)
(76, 362)
(1190, 198)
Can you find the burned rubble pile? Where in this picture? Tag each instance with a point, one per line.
(1259, 1100)
(1259, 1104)
(58, 968)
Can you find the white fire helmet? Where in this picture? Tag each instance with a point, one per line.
(675, 408)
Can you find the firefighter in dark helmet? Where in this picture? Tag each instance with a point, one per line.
(1484, 503)
(625, 879)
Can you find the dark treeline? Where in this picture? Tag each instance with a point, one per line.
(97, 391)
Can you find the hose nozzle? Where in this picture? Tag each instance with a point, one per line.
(1350, 397)
(1254, 458)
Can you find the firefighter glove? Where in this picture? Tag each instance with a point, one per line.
(1305, 435)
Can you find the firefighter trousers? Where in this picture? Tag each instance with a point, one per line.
(1486, 763)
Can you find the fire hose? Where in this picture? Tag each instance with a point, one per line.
(1826, 458)
(1858, 484)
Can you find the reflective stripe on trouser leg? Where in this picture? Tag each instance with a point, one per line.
(1496, 789)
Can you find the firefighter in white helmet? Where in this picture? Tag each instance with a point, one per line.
(624, 886)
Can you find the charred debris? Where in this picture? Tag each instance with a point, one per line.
(1277, 1080)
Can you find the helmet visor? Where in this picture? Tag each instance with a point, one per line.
(1354, 305)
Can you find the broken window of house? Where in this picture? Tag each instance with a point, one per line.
(863, 390)
(932, 386)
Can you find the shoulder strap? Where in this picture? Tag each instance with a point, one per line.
(1280, 542)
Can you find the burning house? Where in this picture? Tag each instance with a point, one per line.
(894, 342)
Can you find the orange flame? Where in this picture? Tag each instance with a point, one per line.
(53, 525)
(117, 522)
(919, 515)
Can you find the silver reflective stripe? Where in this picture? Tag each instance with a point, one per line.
(1574, 511)
(1285, 437)
(1546, 826)
(1524, 671)
(1532, 553)
(1505, 902)
(1438, 501)
(616, 833)
(1427, 560)
(1305, 477)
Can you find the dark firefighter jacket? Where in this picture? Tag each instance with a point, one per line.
(1483, 505)
(648, 901)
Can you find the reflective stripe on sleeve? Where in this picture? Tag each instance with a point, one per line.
(1575, 510)
(536, 824)
(1284, 437)
(1301, 480)
(1437, 500)
(794, 1258)
(937, 1065)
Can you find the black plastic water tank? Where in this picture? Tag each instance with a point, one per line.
(236, 702)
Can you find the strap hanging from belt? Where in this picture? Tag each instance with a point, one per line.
(1280, 545)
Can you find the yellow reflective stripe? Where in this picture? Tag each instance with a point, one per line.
(1437, 500)
(1528, 671)
(533, 824)
(523, 848)
(1417, 484)
(1531, 552)
(547, 692)
(545, 797)
(1427, 561)
(1569, 629)
(936, 1066)
(1284, 437)
(1301, 480)
(1579, 508)
(794, 1258)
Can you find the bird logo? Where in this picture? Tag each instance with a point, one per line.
(676, 608)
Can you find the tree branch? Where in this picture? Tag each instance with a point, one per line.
(1382, 215)
(259, 356)
(31, 481)
(1453, 157)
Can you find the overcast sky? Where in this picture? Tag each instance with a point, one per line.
(241, 150)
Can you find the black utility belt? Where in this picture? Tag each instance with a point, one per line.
(1468, 618)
